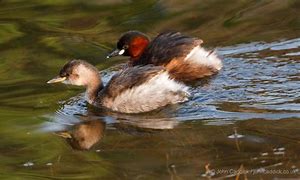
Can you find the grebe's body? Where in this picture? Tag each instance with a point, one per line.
(133, 90)
(181, 55)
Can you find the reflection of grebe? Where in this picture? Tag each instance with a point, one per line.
(150, 124)
(84, 132)
(85, 135)
(133, 90)
(183, 56)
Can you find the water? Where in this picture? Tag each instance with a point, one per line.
(241, 123)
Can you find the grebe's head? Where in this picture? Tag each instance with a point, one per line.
(132, 43)
(77, 72)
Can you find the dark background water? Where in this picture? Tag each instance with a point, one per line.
(245, 118)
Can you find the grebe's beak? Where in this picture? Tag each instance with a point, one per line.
(65, 135)
(57, 79)
(116, 52)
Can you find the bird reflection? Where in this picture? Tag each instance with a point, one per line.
(85, 130)
(82, 132)
(88, 131)
(147, 123)
(85, 135)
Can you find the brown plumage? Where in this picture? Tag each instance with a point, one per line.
(182, 55)
(133, 90)
(186, 71)
(134, 77)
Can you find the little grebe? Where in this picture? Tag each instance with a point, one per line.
(181, 55)
(132, 90)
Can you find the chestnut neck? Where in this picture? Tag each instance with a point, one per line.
(137, 47)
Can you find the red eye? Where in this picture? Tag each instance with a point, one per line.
(125, 46)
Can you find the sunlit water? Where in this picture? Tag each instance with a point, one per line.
(243, 123)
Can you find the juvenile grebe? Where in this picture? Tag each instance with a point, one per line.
(183, 56)
(132, 90)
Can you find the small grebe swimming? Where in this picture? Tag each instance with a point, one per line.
(182, 55)
(132, 90)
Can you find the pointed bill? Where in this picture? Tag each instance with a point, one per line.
(57, 79)
(65, 135)
(116, 52)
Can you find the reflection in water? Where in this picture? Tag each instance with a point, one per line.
(148, 123)
(257, 92)
(81, 133)
(235, 135)
(85, 135)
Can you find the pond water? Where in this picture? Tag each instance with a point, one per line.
(242, 123)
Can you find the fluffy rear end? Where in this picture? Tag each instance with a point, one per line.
(200, 56)
(157, 92)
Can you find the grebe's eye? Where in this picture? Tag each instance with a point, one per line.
(125, 46)
(64, 74)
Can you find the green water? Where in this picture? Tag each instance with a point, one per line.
(256, 96)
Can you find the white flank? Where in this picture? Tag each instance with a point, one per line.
(203, 57)
(157, 92)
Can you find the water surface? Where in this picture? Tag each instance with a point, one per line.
(245, 118)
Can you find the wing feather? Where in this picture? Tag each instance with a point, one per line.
(167, 46)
